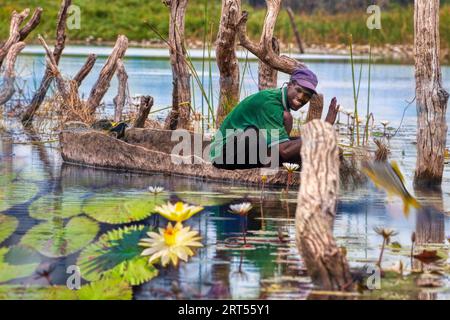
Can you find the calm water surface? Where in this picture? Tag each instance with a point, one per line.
(273, 270)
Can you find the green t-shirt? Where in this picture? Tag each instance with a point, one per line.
(263, 110)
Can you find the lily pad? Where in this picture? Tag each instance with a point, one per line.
(50, 206)
(16, 192)
(108, 289)
(18, 292)
(17, 262)
(116, 208)
(117, 254)
(206, 199)
(54, 239)
(8, 224)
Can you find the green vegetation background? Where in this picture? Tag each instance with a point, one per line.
(106, 19)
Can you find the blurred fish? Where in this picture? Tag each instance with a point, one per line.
(387, 176)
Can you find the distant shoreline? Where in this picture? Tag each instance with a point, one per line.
(387, 53)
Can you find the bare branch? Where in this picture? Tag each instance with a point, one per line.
(103, 82)
(31, 24)
(7, 90)
(264, 50)
(40, 94)
(14, 33)
(84, 71)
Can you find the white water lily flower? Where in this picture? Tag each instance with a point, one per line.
(170, 244)
(291, 167)
(385, 123)
(241, 208)
(177, 212)
(155, 189)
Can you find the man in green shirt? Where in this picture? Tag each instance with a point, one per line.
(256, 132)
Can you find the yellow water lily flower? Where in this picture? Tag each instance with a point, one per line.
(177, 212)
(170, 244)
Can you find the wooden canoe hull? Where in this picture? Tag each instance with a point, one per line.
(97, 149)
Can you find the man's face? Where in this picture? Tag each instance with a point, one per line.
(297, 96)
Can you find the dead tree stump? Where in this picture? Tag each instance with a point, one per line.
(315, 107)
(227, 60)
(40, 94)
(431, 98)
(268, 76)
(104, 79)
(144, 109)
(7, 89)
(327, 265)
(179, 116)
(119, 100)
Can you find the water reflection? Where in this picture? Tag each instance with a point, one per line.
(272, 270)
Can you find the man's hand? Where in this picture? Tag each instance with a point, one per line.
(332, 111)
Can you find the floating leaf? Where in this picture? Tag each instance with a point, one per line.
(15, 192)
(206, 199)
(8, 225)
(50, 206)
(116, 208)
(117, 254)
(54, 239)
(17, 262)
(17, 292)
(107, 289)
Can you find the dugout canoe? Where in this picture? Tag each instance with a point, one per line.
(149, 151)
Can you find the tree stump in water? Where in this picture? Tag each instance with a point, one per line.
(144, 110)
(316, 209)
(227, 60)
(431, 98)
(179, 116)
(119, 100)
(315, 107)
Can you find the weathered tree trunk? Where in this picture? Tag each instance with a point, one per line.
(268, 76)
(119, 100)
(316, 209)
(40, 94)
(301, 49)
(315, 107)
(7, 89)
(14, 32)
(85, 70)
(179, 117)
(264, 50)
(227, 60)
(431, 98)
(100, 88)
(144, 110)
